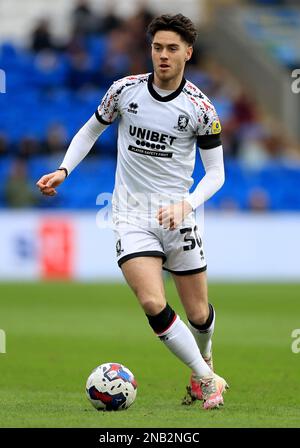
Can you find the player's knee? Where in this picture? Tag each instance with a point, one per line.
(152, 305)
(202, 317)
(199, 315)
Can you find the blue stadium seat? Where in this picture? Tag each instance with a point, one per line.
(97, 48)
(277, 30)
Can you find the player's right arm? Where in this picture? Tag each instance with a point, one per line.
(79, 147)
(83, 141)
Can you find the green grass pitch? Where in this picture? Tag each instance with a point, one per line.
(58, 332)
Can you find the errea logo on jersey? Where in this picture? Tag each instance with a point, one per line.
(133, 107)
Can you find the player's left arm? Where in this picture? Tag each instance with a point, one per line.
(214, 178)
(211, 152)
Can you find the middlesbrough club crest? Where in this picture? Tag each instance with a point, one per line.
(183, 121)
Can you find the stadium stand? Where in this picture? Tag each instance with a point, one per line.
(277, 30)
(52, 89)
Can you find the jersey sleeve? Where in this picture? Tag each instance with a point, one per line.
(209, 126)
(108, 110)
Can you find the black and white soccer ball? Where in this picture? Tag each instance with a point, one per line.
(111, 387)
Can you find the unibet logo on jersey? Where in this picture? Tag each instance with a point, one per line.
(150, 142)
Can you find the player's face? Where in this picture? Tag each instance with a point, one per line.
(169, 55)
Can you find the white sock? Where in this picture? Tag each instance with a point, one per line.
(181, 342)
(203, 337)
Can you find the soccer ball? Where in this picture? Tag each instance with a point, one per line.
(111, 387)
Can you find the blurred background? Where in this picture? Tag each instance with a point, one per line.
(58, 58)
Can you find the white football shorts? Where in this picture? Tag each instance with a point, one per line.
(181, 249)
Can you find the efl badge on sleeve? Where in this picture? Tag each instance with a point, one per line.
(216, 127)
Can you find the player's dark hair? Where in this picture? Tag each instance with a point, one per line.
(179, 24)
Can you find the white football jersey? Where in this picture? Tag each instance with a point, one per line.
(156, 142)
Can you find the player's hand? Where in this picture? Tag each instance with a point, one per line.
(172, 216)
(47, 183)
